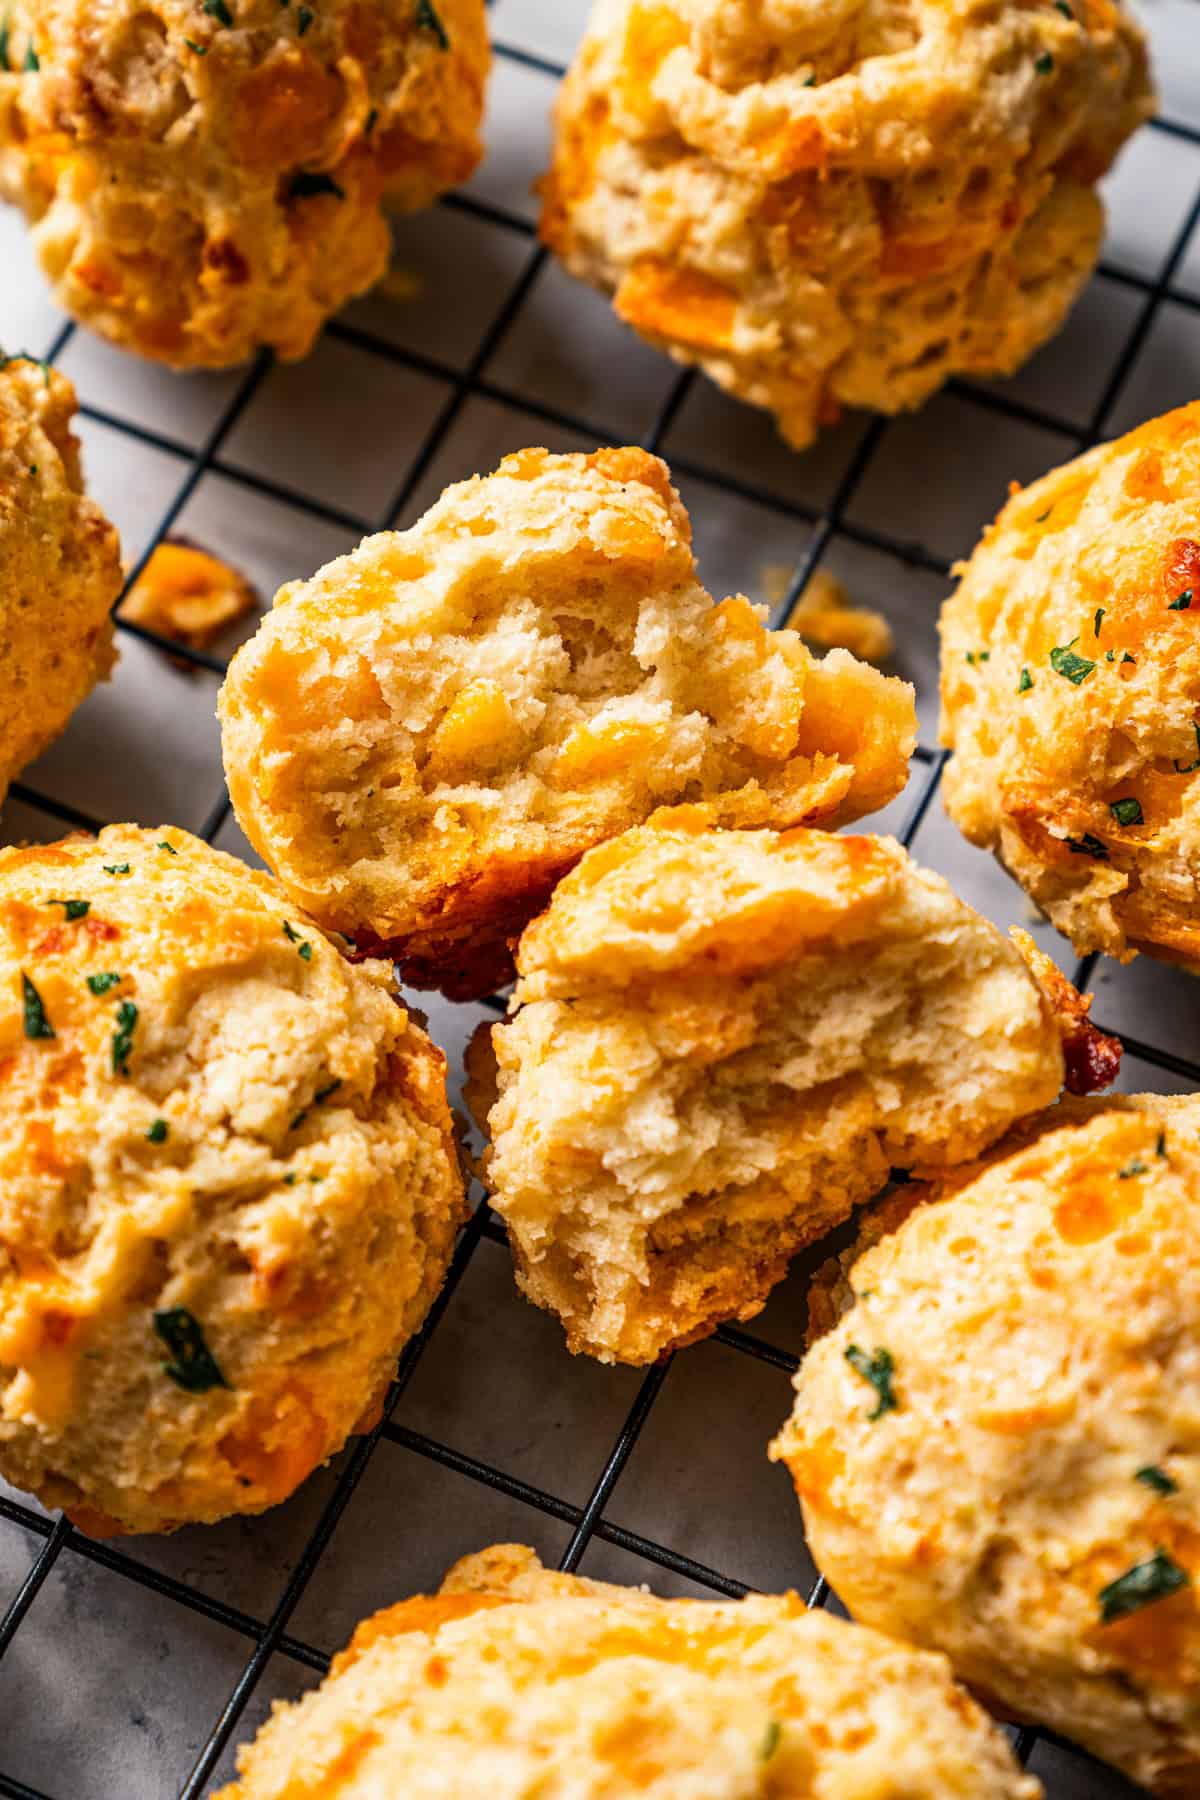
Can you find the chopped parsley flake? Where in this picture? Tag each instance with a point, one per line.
(1025, 683)
(1044, 64)
(217, 9)
(371, 121)
(770, 1740)
(1136, 1167)
(32, 62)
(305, 183)
(197, 49)
(291, 1180)
(122, 1038)
(72, 909)
(169, 848)
(299, 1119)
(1087, 845)
(116, 868)
(325, 1092)
(877, 1368)
(157, 1133)
(37, 1025)
(1129, 659)
(1158, 1479)
(1072, 668)
(1160, 1147)
(195, 1368)
(1141, 1586)
(428, 20)
(1042, 517)
(1182, 603)
(100, 984)
(304, 950)
(1098, 621)
(1062, 7)
(5, 31)
(1187, 768)
(978, 656)
(1127, 812)
(304, 18)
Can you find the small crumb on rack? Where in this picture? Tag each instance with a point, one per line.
(399, 284)
(187, 594)
(828, 618)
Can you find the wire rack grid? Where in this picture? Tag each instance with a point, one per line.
(574, 1516)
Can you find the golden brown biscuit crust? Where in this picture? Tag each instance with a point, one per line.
(1071, 693)
(424, 738)
(205, 179)
(841, 204)
(720, 1042)
(1043, 1320)
(518, 1681)
(222, 1148)
(60, 566)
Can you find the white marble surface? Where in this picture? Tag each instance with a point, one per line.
(109, 1689)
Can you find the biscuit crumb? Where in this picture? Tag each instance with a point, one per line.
(188, 594)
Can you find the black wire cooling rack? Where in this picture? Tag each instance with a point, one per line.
(269, 1637)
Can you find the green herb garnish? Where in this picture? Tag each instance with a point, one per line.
(1087, 845)
(100, 984)
(325, 1092)
(428, 20)
(116, 868)
(5, 32)
(157, 1133)
(1072, 668)
(37, 1025)
(304, 18)
(1044, 64)
(1062, 7)
(1158, 1479)
(195, 1367)
(307, 182)
(1025, 683)
(1182, 603)
(1127, 812)
(72, 909)
(1098, 621)
(122, 1038)
(877, 1368)
(169, 848)
(372, 120)
(32, 62)
(1160, 1147)
(217, 9)
(304, 950)
(770, 1740)
(197, 49)
(1136, 1167)
(1141, 1586)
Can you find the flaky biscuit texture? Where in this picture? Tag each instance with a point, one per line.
(1071, 693)
(721, 1041)
(60, 566)
(204, 178)
(228, 1185)
(517, 1682)
(426, 736)
(841, 204)
(1028, 1498)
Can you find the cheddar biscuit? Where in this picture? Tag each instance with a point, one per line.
(228, 1185)
(426, 736)
(513, 1681)
(997, 1449)
(1071, 693)
(60, 566)
(205, 177)
(829, 205)
(720, 1043)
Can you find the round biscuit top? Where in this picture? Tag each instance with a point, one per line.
(423, 738)
(60, 566)
(515, 1681)
(1071, 692)
(205, 177)
(997, 1449)
(228, 1186)
(841, 204)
